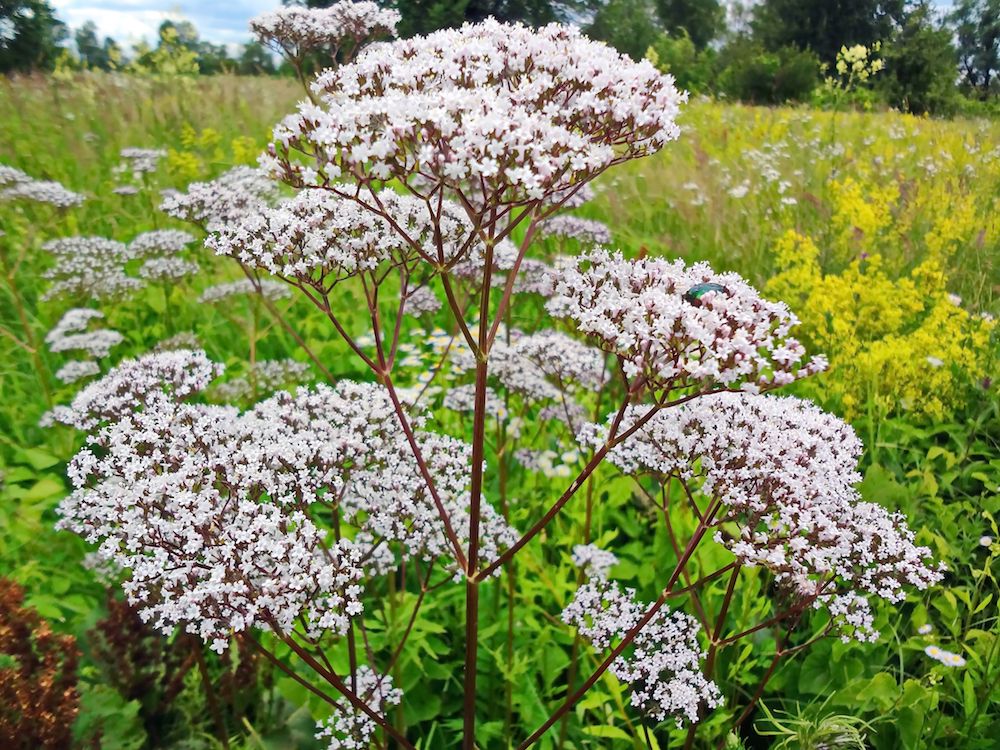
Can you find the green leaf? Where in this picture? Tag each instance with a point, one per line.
(880, 692)
(968, 694)
(608, 732)
(37, 458)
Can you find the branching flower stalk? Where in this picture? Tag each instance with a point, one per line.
(425, 168)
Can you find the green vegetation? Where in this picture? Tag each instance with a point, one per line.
(880, 230)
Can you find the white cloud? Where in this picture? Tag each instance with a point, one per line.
(128, 21)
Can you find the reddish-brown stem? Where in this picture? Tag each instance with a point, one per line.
(595, 460)
(475, 502)
(425, 472)
(349, 694)
(413, 619)
(210, 697)
(629, 637)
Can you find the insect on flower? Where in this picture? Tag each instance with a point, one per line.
(695, 293)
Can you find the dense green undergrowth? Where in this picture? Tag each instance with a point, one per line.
(900, 213)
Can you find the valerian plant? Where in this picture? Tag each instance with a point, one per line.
(427, 173)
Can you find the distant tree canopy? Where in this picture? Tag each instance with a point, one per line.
(920, 71)
(703, 20)
(30, 35)
(977, 28)
(824, 26)
(423, 16)
(764, 51)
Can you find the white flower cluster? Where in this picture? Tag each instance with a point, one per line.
(272, 290)
(295, 31)
(89, 267)
(140, 161)
(351, 728)
(540, 366)
(182, 340)
(948, 658)
(157, 241)
(16, 185)
(462, 398)
(785, 473)
(548, 462)
(593, 560)
(12, 176)
(172, 495)
(209, 508)
(265, 376)
(317, 234)
(680, 326)
(421, 301)
(584, 231)
(240, 192)
(521, 112)
(167, 269)
(572, 196)
(140, 383)
(77, 370)
(71, 334)
(662, 666)
(42, 191)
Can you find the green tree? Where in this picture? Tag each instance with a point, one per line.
(692, 69)
(255, 59)
(210, 58)
(824, 26)
(920, 69)
(757, 75)
(629, 26)
(977, 30)
(702, 20)
(30, 35)
(424, 16)
(92, 53)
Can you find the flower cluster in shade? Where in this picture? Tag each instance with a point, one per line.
(584, 231)
(271, 290)
(593, 560)
(662, 666)
(89, 267)
(349, 728)
(71, 334)
(642, 310)
(264, 376)
(319, 238)
(17, 185)
(213, 510)
(137, 162)
(784, 473)
(95, 267)
(240, 192)
(295, 31)
(521, 112)
(547, 368)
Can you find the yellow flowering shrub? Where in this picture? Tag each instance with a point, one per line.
(895, 344)
(861, 217)
(204, 148)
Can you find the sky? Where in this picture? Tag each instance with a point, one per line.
(218, 21)
(128, 21)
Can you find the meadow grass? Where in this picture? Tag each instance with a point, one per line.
(751, 190)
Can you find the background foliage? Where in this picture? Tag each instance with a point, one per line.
(869, 259)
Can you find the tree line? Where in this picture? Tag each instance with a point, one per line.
(767, 52)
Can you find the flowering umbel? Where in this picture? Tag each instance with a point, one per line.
(521, 113)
